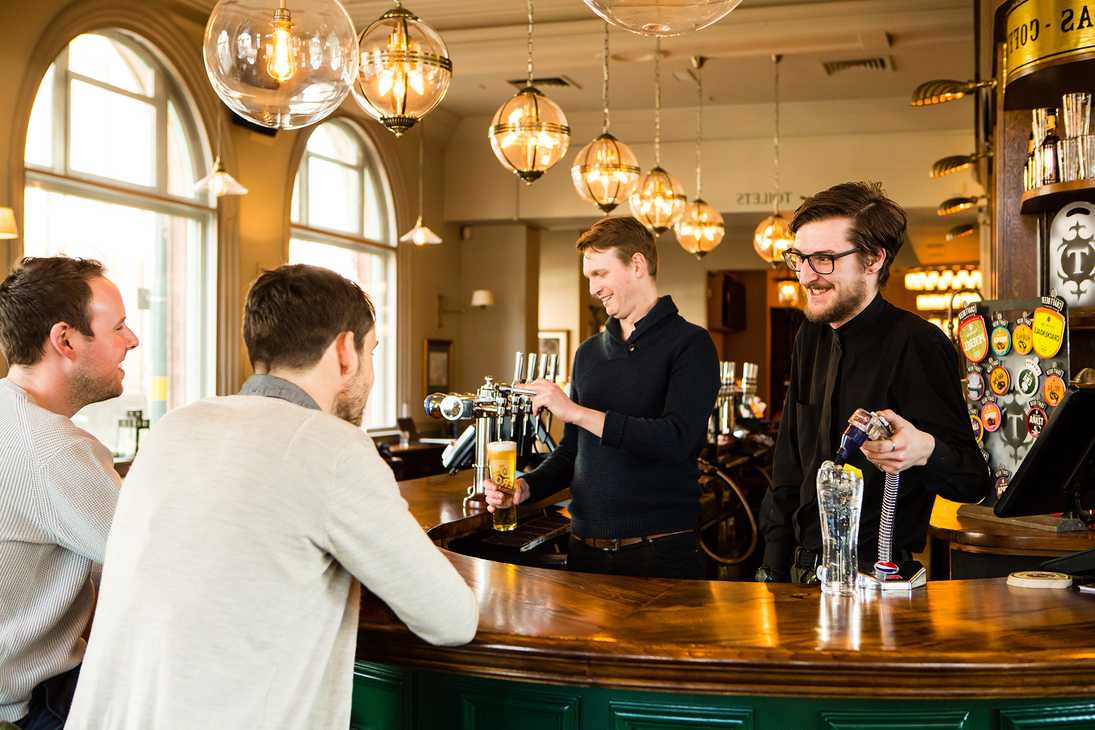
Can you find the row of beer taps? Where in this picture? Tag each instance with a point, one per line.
(735, 399)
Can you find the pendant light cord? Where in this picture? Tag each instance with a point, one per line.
(604, 84)
(530, 42)
(699, 128)
(775, 141)
(421, 138)
(658, 102)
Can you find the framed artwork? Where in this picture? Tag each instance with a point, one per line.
(437, 366)
(557, 342)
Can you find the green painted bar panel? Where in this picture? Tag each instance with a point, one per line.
(666, 715)
(383, 698)
(1055, 716)
(896, 721)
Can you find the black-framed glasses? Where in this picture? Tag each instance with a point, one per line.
(821, 263)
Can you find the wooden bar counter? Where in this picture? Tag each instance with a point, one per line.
(568, 650)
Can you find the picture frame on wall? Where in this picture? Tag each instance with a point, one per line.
(557, 342)
(437, 366)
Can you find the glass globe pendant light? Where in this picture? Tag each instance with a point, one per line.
(605, 171)
(285, 67)
(662, 17)
(658, 200)
(420, 235)
(529, 133)
(405, 69)
(773, 236)
(701, 227)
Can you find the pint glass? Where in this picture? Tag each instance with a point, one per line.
(839, 501)
(502, 462)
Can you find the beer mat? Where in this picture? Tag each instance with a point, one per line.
(531, 532)
(1039, 579)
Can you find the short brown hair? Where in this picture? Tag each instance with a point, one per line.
(38, 294)
(294, 313)
(626, 235)
(878, 223)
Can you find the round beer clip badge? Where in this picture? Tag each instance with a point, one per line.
(975, 384)
(1026, 382)
(1036, 419)
(1053, 390)
(991, 417)
(1000, 380)
(1000, 340)
(1022, 338)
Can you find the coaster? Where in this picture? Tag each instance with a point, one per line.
(1039, 579)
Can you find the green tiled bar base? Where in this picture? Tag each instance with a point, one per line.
(392, 698)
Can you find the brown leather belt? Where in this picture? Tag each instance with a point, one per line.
(612, 544)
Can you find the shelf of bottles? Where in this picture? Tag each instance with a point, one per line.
(1059, 169)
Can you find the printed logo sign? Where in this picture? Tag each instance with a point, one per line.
(1000, 340)
(999, 380)
(1026, 382)
(975, 384)
(1036, 419)
(974, 337)
(991, 417)
(1049, 332)
(977, 426)
(1053, 389)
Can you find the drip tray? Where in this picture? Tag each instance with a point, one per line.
(539, 540)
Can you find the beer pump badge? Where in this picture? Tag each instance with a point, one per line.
(1026, 382)
(1049, 329)
(975, 383)
(1022, 337)
(1000, 481)
(974, 336)
(1000, 339)
(991, 416)
(1053, 389)
(1036, 418)
(999, 378)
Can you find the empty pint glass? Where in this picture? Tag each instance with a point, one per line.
(840, 501)
(502, 462)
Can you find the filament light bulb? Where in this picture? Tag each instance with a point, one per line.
(281, 61)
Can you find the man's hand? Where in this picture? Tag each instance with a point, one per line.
(550, 396)
(908, 447)
(496, 498)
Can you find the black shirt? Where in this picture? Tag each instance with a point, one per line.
(884, 357)
(657, 390)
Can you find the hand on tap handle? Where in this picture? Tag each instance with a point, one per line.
(550, 396)
(907, 447)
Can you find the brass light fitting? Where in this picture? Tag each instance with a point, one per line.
(956, 163)
(940, 91)
(950, 206)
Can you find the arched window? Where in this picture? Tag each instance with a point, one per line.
(343, 219)
(112, 154)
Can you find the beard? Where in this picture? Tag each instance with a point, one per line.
(843, 306)
(87, 388)
(350, 401)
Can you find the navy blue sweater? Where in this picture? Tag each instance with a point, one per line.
(657, 390)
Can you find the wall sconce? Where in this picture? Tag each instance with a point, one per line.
(480, 299)
(947, 278)
(789, 293)
(963, 231)
(941, 91)
(8, 229)
(955, 163)
(950, 206)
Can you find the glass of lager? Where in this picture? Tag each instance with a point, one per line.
(502, 462)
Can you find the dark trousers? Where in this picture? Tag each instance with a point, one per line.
(676, 556)
(50, 701)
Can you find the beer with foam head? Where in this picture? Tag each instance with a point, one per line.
(502, 463)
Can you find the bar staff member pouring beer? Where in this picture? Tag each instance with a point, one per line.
(858, 351)
(636, 419)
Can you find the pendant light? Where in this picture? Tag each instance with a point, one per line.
(700, 228)
(286, 68)
(219, 182)
(529, 133)
(605, 171)
(773, 236)
(405, 69)
(658, 200)
(420, 235)
(662, 17)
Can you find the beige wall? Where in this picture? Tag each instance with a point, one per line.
(504, 258)
(562, 288)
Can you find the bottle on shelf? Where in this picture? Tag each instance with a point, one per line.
(1028, 168)
(1050, 166)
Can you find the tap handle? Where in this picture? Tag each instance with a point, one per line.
(519, 368)
(542, 368)
(552, 367)
(531, 371)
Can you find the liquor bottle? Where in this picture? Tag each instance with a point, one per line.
(1050, 168)
(1028, 168)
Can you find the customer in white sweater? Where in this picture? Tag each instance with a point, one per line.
(229, 597)
(64, 336)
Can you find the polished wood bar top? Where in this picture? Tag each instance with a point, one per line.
(952, 639)
(946, 524)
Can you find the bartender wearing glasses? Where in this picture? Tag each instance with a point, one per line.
(857, 350)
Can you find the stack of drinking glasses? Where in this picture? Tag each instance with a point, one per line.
(1076, 150)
